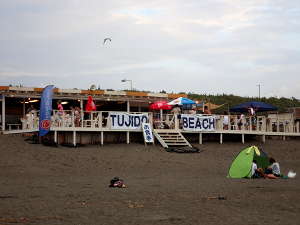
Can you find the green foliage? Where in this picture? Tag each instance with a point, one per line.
(231, 100)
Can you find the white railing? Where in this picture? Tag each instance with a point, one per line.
(232, 123)
(84, 119)
(99, 119)
(30, 120)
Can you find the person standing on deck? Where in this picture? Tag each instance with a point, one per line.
(176, 110)
(206, 110)
(60, 108)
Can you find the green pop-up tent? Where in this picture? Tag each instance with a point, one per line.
(241, 165)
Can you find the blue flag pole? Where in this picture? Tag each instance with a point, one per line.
(45, 110)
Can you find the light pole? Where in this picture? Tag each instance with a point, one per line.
(125, 80)
(258, 91)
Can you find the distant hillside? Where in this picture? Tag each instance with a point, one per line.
(231, 100)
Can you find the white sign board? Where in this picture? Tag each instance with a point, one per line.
(127, 121)
(147, 131)
(198, 122)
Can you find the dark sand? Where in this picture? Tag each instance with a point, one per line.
(48, 185)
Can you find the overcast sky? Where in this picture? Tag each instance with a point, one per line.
(200, 46)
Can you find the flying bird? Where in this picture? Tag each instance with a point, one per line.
(106, 39)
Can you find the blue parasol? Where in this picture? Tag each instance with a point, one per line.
(181, 101)
(257, 106)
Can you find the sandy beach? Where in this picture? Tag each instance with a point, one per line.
(61, 185)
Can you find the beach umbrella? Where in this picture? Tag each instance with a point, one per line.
(160, 105)
(257, 106)
(182, 101)
(90, 105)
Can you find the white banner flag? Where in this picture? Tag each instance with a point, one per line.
(127, 121)
(198, 122)
(147, 131)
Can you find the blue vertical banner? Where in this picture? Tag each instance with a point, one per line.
(46, 110)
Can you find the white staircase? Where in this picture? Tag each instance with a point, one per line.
(170, 138)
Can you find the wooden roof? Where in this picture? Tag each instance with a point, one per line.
(105, 95)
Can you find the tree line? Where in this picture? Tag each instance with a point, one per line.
(283, 104)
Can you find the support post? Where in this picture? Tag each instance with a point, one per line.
(24, 109)
(127, 133)
(161, 115)
(73, 119)
(221, 138)
(55, 137)
(128, 106)
(81, 104)
(243, 138)
(74, 138)
(264, 124)
(101, 141)
(127, 137)
(264, 138)
(200, 139)
(81, 111)
(151, 119)
(3, 113)
(100, 120)
(176, 121)
(222, 122)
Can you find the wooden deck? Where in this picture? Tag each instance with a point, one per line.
(102, 121)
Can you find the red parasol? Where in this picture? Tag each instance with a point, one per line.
(160, 105)
(90, 105)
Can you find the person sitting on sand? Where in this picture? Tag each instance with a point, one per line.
(271, 172)
(255, 171)
(273, 169)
